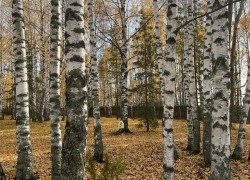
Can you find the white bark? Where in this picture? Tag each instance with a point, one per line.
(74, 143)
(195, 145)
(168, 92)
(207, 84)
(187, 82)
(54, 90)
(124, 72)
(24, 168)
(42, 64)
(94, 76)
(158, 41)
(220, 164)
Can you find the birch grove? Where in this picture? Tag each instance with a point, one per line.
(142, 74)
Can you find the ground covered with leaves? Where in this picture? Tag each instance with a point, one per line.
(141, 151)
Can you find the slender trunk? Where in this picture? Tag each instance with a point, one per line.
(42, 64)
(169, 91)
(158, 42)
(75, 138)
(24, 168)
(220, 163)
(195, 145)
(98, 150)
(207, 109)
(186, 78)
(54, 90)
(124, 72)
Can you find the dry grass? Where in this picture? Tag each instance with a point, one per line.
(141, 151)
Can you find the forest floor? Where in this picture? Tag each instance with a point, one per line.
(141, 151)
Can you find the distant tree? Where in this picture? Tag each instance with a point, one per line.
(145, 71)
(239, 148)
(74, 142)
(24, 168)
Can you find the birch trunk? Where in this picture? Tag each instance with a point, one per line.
(42, 64)
(159, 52)
(187, 83)
(124, 72)
(24, 168)
(168, 92)
(158, 42)
(220, 163)
(98, 149)
(195, 145)
(74, 143)
(54, 90)
(207, 108)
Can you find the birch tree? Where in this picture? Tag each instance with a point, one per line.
(124, 72)
(195, 145)
(207, 83)
(42, 63)
(74, 143)
(54, 91)
(98, 149)
(168, 92)
(159, 50)
(187, 81)
(220, 162)
(24, 168)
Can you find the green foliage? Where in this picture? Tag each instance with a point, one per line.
(109, 170)
(148, 116)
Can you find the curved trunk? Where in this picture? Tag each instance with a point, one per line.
(168, 92)
(24, 168)
(74, 143)
(54, 90)
(220, 163)
(98, 150)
